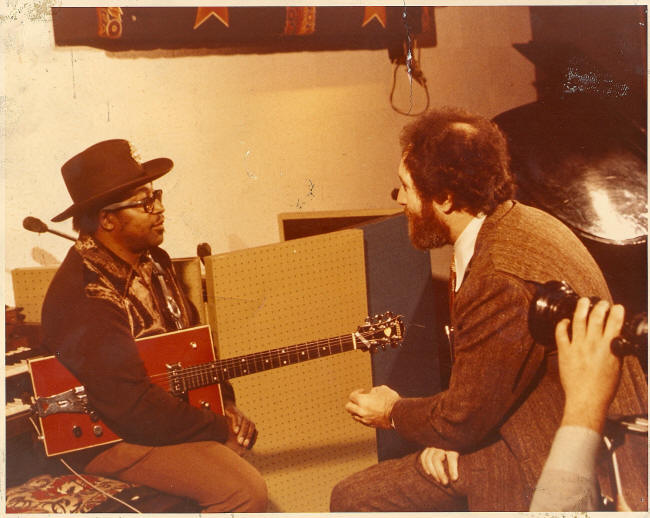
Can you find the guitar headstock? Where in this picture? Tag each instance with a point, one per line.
(380, 331)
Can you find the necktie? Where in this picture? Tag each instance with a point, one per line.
(449, 330)
(452, 283)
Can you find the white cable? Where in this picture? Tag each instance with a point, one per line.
(99, 489)
(38, 432)
(80, 477)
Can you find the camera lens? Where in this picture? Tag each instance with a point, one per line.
(553, 301)
(556, 300)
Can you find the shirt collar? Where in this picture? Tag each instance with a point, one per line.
(464, 247)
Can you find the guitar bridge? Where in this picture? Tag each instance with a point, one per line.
(74, 400)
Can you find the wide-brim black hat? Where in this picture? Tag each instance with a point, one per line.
(99, 174)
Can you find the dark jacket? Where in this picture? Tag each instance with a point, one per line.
(503, 385)
(95, 307)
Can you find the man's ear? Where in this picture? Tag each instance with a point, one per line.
(447, 205)
(106, 220)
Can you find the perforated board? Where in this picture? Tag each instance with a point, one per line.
(30, 286)
(284, 294)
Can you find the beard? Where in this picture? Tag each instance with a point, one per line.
(427, 230)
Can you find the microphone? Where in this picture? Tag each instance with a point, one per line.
(36, 225)
(203, 250)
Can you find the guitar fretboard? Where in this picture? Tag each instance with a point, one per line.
(190, 378)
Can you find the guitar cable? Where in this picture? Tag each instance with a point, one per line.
(84, 480)
(100, 490)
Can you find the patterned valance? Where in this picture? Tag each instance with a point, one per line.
(238, 29)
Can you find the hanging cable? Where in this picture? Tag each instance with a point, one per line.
(414, 73)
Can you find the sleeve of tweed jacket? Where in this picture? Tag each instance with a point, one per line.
(495, 360)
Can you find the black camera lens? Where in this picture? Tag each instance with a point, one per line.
(553, 301)
(556, 300)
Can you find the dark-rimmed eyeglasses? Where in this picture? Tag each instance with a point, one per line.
(147, 203)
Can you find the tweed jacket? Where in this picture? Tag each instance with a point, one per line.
(503, 385)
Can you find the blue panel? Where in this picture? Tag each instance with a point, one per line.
(399, 280)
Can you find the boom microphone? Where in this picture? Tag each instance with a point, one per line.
(36, 225)
(203, 250)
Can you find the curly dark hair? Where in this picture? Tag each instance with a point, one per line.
(86, 222)
(452, 152)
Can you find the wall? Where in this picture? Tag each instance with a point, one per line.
(250, 135)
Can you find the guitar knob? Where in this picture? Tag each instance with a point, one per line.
(76, 430)
(205, 404)
(94, 417)
(98, 430)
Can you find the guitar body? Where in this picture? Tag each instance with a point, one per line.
(70, 431)
(187, 347)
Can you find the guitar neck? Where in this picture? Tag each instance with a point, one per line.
(222, 370)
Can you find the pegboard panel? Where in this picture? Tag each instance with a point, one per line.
(30, 286)
(188, 272)
(285, 294)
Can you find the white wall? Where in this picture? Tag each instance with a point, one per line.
(250, 135)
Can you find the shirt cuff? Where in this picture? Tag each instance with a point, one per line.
(574, 449)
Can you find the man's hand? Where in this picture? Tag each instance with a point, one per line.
(373, 407)
(433, 462)
(243, 433)
(589, 371)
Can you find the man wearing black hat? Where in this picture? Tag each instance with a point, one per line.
(114, 286)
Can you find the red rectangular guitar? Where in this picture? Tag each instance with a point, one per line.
(183, 363)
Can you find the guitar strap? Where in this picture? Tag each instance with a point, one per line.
(172, 308)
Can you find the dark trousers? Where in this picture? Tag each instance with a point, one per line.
(489, 480)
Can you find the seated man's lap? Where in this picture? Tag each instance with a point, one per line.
(489, 480)
(395, 485)
(208, 472)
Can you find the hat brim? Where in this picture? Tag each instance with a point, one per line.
(152, 169)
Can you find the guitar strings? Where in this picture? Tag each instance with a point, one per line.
(221, 370)
(235, 363)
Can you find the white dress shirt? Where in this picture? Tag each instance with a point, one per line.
(464, 247)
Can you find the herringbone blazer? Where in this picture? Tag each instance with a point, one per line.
(503, 385)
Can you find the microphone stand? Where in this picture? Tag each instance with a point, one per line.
(36, 225)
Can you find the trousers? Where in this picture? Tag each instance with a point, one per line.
(488, 480)
(210, 473)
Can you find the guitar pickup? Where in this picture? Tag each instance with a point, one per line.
(177, 382)
(74, 400)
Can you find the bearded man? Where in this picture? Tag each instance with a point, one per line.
(485, 439)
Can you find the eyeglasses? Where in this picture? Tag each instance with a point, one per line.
(147, 203)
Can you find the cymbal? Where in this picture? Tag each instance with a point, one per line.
(582, 163)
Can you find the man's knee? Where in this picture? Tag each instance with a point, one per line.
(249, 496)
(257, 498)
(344, 498)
